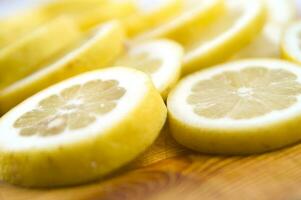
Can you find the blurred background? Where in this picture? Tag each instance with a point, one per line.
(8, 7)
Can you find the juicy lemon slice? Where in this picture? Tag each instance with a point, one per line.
(227, 35)
(25, 55)
(195, 13)
(291, 44)
(150, 14)
(243, 107)
(280, 14)
(161, 59)
(13, 27)
(96, 51)
(80, 129)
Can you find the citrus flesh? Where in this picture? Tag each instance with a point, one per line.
(280, 14)
(243, 107)
(96, 51)
(149, 15)
(227, 35)
(161, 59)
(194, 14)
(80, 129)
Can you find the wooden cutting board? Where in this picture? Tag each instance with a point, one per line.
(168, 171)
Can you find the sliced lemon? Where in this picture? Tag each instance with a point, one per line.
(161, 59)
(227, 35)
(116, 9)
(150, 14)
(243, 107)
(80, 129)
(13, 27)
(96, 51)
(88, 14)
(195, 14)
(291, 44)
(267, 44)
(280, 14)
(25, 55)
(56, 7)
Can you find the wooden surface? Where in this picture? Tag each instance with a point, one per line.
(168, 171)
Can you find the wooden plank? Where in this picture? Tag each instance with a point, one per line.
(168, 171)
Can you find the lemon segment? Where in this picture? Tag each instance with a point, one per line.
(280, 14)
(227, 35)
(290, 47)
(80, 129)
(96, 51)
(25, 55)
(195, 14)
(148, 16)
(161, 59)
(243, 107)
(13, 27)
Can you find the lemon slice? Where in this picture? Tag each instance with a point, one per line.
(224, 37)
(161, 59)
(13, 27)
(280, 14)
(290, 47)
(195, 13)
(56, 7)
(88, 14)
(80, 129)
(25, 55)
(115, 9)
(96, 51)
(243, 107)
(150, 14)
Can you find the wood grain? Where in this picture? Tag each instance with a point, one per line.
(168, 171)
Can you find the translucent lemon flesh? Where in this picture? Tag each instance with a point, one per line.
(161, 59)
(243, 107)
(74, 108)
(80, 129)
(248, 93)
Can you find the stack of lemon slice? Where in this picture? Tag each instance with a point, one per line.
(66, 121)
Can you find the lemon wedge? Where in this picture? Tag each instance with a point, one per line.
(242, 107)
(161, 59)
(100, 48)
(80, 129)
